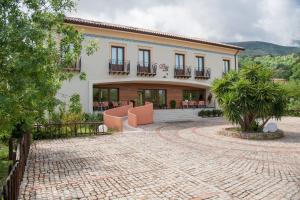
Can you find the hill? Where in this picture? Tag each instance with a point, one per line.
(257, 48)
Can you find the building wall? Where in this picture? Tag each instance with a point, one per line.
(162, 52)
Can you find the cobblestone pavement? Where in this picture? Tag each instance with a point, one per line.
(185, 160)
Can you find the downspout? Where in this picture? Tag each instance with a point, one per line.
(235, 59)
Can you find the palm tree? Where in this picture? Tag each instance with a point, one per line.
(249, 97)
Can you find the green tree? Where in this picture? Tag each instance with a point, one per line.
(249, 97)
(36, 45)
(286, 67)
(293, 93)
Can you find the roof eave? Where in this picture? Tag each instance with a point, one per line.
(84, 22)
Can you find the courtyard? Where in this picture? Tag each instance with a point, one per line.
(178, 160)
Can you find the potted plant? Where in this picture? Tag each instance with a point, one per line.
(173, 104)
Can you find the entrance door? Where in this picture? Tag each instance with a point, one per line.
(151, 96)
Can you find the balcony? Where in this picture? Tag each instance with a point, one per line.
(76, 67)
(202, 74)
(119, 67)
(149, 70)
(182, 72)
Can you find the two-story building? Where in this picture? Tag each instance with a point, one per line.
(139, 65)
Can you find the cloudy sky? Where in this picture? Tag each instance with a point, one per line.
(275, 21)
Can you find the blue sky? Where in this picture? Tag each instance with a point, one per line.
(276, 21)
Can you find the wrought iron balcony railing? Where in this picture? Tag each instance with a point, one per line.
(202, 74)
(119, 67)
(182, 72)
(147, 69)
(76, 67)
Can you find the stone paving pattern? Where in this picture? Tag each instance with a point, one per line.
(185, 160)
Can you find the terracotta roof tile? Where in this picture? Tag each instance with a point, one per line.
(85, 22)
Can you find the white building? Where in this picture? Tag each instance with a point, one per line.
(140, 65)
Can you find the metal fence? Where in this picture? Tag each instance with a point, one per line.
(65, 130)
(18, 153)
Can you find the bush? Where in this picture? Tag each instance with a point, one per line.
(214, 112)
(210, 113)
(173, 104)
(201, 113)
(219, 113)
(92, 117)
(293, 113)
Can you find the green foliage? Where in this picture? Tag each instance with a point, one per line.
(4, 136)
(249, 97)
(93, 46)
(286, 67)
(31, 62)
(293, 89)
(293, 93)
(173, 104)
(82, 76)
(296, 71)
(67, 115)
(75, 105)
(93, 117)
(4, 162)
(210, 113)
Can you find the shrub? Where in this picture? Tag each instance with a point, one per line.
(210, 113)
(219, 113)
(173, 104)
(214, 112)
(92, 117)
(201, 113)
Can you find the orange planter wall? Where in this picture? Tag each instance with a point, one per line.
(140, 115)
(113, 118)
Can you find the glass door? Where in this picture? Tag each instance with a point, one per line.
(141, 98)
(155, 96)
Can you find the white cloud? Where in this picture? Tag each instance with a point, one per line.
(275, 21)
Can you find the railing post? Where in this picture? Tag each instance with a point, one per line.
(75, 129)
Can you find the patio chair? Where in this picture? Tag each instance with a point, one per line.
(192, 104)
(201, 104)
(115, 104)
(95, 106)
(185, 103)
(105, 105)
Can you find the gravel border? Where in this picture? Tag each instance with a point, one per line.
(230, 132)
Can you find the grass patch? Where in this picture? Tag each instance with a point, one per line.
(4, 163)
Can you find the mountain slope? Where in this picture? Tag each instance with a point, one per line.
(257, 48)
